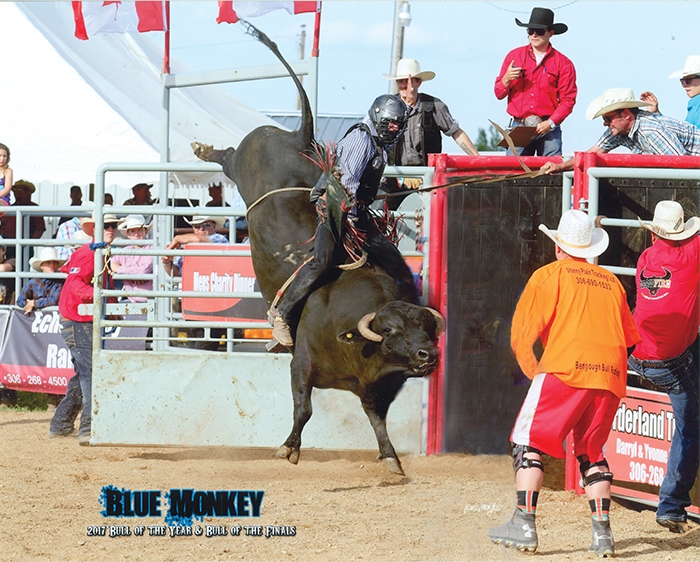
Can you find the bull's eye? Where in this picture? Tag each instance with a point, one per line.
(349, 335)
(387, 330)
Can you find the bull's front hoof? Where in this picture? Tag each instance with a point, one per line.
(393, 465)
(292, 455)
(202, 151)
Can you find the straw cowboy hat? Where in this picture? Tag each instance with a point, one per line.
(42, 255)
(668, 222)
(611, 100)
(133, 221)
(108, 217)
(410, 67)
(543, 18)
(577, 236)
(220, 221)
(691, 68)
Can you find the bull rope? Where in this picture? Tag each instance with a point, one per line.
(281, 190)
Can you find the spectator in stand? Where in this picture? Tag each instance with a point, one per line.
(540, 84)
(142, 195)
(640, 131)
(109, 200)
(216, 194)
(5, 175)
(42, 292)
(77, 333)
(76, 200)
(203, 230)
(22, 191)
(135, 228)
(690, 80)
(69, 230)
(668, 318)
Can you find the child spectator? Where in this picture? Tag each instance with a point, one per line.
(41, 292)
(5, 175)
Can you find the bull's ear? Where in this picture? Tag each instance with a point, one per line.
(350, 336)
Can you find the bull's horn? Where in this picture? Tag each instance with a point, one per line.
(364, 329)
(439, 321)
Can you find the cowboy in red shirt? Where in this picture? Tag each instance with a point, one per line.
(540, 84)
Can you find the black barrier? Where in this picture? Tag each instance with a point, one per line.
(493, 247)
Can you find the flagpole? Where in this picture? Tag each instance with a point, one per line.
(166, 42)
(313, 66)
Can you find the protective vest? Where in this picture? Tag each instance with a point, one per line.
(430, 134)
(372, 174)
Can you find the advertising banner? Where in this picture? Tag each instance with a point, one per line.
(33, 355)
(207, 274)
(638, 447)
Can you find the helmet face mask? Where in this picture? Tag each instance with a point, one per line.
(385, 110)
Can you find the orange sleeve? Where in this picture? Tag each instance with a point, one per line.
(532, 318)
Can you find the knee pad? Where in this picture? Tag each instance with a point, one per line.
(585, 464)
(520, 461)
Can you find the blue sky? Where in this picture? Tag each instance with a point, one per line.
(612, 44)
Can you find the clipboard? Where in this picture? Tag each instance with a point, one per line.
(520, 135)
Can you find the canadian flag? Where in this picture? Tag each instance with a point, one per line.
(117, 17)
(227, 13)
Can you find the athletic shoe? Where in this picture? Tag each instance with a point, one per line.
(519, 532)
(603, 544)
(84, 440)
(674, 526)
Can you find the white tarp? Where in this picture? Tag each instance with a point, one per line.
(59, 130)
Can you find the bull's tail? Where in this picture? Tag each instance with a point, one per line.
(306, 129)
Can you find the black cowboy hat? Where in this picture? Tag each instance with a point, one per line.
(543, 18)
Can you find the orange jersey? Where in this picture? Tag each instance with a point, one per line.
(579, 312)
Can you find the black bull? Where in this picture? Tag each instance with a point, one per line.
(359, 331)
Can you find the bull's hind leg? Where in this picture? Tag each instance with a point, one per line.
(208, 153)
(376, 402)
(301, 393)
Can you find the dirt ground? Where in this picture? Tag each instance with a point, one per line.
(343, 505)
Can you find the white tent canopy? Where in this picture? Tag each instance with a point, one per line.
(70, 105)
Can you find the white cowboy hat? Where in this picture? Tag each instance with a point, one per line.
(220, 221)
(691, 68)
(577, 236)
(668, 222)
(611, 100)
(42, 255)
(133, 221)
(410, 67)
(108, 217)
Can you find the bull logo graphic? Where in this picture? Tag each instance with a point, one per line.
(653, 284)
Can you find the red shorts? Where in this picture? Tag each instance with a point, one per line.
(552, 409)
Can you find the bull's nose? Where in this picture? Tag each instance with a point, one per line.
(423, 355)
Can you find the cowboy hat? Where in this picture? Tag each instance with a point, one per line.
(133, 221)
(108, 217)
(691, 68)
(543, 18)
(29, 186)
(611, 100)
(199, 219)
(577, 236)
(668, 222)
(42, 255)
(146, 185)
(410, 67)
